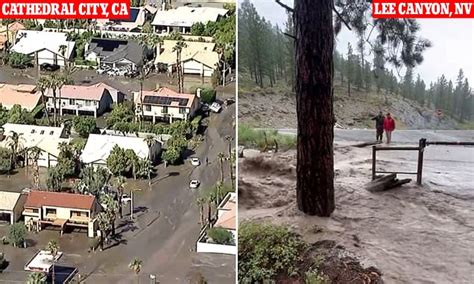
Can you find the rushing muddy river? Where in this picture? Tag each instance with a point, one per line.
(413, 234)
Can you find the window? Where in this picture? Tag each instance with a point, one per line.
(50, 211)
(182, 110)
(164, 109)
(88, 103)
(41, 132)
(33, 131)
(148, 107)
(51, 132)
(79, 214)
(72, 101)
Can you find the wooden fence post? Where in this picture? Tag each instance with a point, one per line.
(374, 161)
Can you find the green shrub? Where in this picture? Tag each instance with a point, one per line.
(220, 236)
(84, 125)
(251, 137)
(17, 234)
(208, 96)
(266, 251)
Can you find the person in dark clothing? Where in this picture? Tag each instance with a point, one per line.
(379, 120)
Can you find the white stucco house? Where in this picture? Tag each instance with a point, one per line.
(99, 146)
(166, 105)
(46, 138)
(92, 100)
(183, 18)
(198, 58)
(46, 47)
(11, 206)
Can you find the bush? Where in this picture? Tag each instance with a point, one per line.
(5, 160)
(84, 125)
(256, 138)
(17, 234)
(220, 236)
(171, 156)
(266, 251)
(208, 96)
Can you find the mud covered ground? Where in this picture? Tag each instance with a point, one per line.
(411, 234)
(276, 108)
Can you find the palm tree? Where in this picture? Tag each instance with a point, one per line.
(112, 208)
(179, 48)
(231, 161)
(42, 86)
(36, 278)
(103, 221)
(53, 83)
(200, 202)
(221, 157)
(120, 183)
(53, 248)
(16, 143)
(211, 199)
(34, 154)
(62, 50)
(136, 266)
(62, 80)
(150, 141)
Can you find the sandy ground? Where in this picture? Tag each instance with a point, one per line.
(412, 234)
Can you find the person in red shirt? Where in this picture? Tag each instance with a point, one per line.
(389, 126)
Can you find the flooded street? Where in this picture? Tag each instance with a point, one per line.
(412, 234)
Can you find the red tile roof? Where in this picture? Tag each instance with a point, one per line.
(37, 199)
(92, 92)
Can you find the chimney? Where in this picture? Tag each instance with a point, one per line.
(198, 92)
(157, 86)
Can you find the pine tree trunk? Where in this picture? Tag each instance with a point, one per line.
(314, 73)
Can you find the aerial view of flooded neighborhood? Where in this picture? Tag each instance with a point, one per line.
(117, 147)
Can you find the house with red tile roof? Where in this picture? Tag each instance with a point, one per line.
(61, 209)
(24, 95)
(91, 100)
(165, 104)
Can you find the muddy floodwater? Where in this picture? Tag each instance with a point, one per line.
(413, 234)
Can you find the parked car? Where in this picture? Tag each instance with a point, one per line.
(205, 107)
(112, 72)
(132, 74)
(215, 107)
(121, 72)
(195, 161)
(194, 183)
(228, 102)
(49, 67)
(126, 198)
(103, 70)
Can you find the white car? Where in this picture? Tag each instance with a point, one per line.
(195, 161)
(121, 72)
(215, 107)
(126, 198)
(194, 183)
(103, 70)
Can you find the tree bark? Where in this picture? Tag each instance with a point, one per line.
(314, 73)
